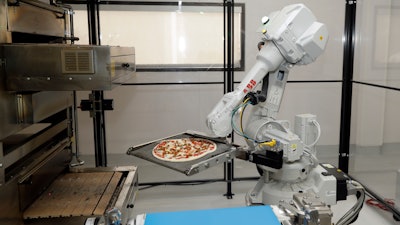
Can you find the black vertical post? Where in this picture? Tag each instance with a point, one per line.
(93, 22)
(228, 78)
(96, 96)
(347, 86)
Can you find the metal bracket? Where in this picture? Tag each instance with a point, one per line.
(213, 161)
(94, 106)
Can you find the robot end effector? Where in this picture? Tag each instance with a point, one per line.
(294, 38)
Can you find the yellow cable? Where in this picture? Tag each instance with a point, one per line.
(271, 143)
(241, 115)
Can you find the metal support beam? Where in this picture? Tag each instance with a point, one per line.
(228, 78)
(98, 96)
(347, 86)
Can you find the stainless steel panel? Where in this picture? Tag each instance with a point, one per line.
(10, 120)
(15, 109)
(29, 146)
(13, 192)
(35, 19)
(9, 204)
(127, 196)
(47, 103)
(47, 68)
(18, 111)
(40, 175)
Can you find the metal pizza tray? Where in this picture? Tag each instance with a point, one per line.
(223, 153)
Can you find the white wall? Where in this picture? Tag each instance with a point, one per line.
(144, 113)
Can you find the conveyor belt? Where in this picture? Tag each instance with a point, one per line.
(75, 194)
(224, 151)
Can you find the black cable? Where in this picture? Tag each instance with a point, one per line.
(373, 195)
(192, 183)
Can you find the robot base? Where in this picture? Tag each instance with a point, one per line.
(271, 191)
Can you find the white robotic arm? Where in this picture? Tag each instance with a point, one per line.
(219, 120)
(293, 37)
(288, 165)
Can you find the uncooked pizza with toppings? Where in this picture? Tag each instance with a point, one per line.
(183, 149)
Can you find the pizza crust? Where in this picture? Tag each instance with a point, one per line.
(176, 150)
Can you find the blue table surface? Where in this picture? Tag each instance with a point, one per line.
(252, 215)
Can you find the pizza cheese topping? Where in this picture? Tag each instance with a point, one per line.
(184, 149)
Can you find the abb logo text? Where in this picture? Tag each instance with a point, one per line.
(249, 86)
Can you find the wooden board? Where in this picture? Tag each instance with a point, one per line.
(75, 194)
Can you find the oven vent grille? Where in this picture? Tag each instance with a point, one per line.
(77, 61)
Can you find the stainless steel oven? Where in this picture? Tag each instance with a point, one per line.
(40, 67)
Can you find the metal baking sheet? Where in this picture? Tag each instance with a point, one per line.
(223, 153)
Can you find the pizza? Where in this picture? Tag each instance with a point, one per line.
(183, 149)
